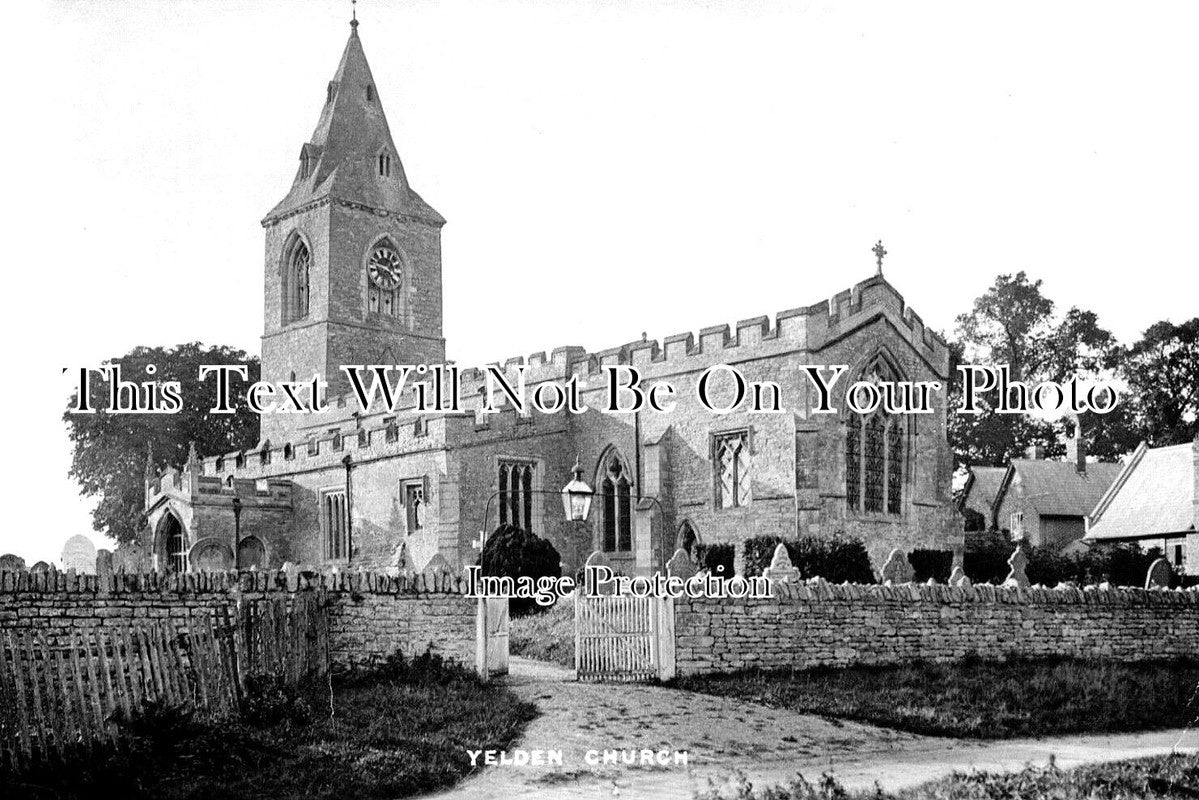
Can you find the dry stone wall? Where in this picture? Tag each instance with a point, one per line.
(369, 616)
(814, 624)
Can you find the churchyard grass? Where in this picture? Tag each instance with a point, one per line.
(546, 635)
(1172, 777)
(980, 700)
(398, 731)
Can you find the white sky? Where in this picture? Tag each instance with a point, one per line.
(606, 168)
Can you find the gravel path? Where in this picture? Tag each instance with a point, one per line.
(721, 735)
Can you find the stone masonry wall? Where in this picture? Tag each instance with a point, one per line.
(819, 624)
(370, 616)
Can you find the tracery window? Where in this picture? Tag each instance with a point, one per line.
(616, 506)
(516, 494)
(875, 457)
(298, 280)
(334, 525)
(731, 451)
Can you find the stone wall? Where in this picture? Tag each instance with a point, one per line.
(818, 624)
(369, 616)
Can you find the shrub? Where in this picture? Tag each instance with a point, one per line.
(987, 552)
(837, 559)
(514, 553)
(270, 699)
(718, 559)
(935, 564)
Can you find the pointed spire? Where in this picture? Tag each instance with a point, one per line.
(351, 155)
(354, 15)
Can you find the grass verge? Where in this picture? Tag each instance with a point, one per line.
(546, 635)
(398, 731)
(1172, 777)
(981, 700)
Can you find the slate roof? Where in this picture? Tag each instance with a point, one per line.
(1154, 494)
(1057, 489)
(983, 485)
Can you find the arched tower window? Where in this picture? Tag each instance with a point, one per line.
(384, 274)
(876, 454)
(384, 165)
(616, 505)
(174, 547)
(297, 280)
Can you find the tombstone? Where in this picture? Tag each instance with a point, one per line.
(40, 566)
(104, 570)
(1159, 575)
(680, 565)
(1016, 578)
(11, 563)
(291, 576)
(130, 557)
(781, 568)
(79, 554)
(958, 578)
(897, 569)
(598, 559)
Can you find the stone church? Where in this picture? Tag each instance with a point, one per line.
(353, 275)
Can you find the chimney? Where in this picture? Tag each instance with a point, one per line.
(1035, 452)
(1076, 448)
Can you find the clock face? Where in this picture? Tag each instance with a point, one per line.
(384, 268)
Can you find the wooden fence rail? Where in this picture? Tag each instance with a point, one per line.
(64, 688)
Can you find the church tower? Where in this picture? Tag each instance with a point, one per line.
(353, 254)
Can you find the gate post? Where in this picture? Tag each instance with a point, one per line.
(664, 636)
(482, 668)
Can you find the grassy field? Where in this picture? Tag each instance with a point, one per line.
(545, 636)
(981, 700)
(1174, 777)
(395, 733)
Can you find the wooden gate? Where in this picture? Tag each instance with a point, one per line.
(624, 638)
(491, 637)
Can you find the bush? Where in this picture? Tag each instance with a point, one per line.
(837, 559)
(718, 559)
(270, 699)
(1119, 565)
(987, 552)
(514, 553)
(935, 564)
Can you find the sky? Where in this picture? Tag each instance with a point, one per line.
(607, 168)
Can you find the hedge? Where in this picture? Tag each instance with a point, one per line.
(836, 559)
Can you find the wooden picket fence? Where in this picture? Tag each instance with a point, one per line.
(624, 638)
(62, 689)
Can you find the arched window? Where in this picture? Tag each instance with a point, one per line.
(299, 263)
(616, 505)
(875, 454)
(174, 544)
(384, 165)
(516, 493)
(264, 455)
(687, 538)
(384, 274)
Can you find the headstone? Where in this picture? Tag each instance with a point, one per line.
(129, 557)
(958, 577)
(781, 568)
(40, 566)
(680, 565)
(897, 569)
(79, 554)
(1159, 575)
(104, 570)
(11, 563)
(1018, 561)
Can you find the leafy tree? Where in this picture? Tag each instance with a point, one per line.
(1013, 323)
(1162, 373)
(110, 450)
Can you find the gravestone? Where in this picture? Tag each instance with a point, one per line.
(781, 568)
(79, 554)
(1016, 578)
(104, 570)
(1159, 575)
(958, 577)
(40, 566)
(680, 565)
(11, 563)
(897, 569)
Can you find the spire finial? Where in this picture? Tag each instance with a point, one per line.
(354, 14)
(879, 252)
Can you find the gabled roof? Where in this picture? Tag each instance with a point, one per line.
(351, 134)
(981, 487)
(1154, 495)
(1057, 488)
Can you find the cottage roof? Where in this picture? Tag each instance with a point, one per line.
(1057, 488)
(981, 488)
(1154, 494)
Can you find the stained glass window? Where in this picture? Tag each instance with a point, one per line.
(617, 506)
(732, 470)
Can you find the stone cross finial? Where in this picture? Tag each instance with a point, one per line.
(897, 568)
(879, 251)
(1018, 561)
(781, 568)
(1159, 575)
